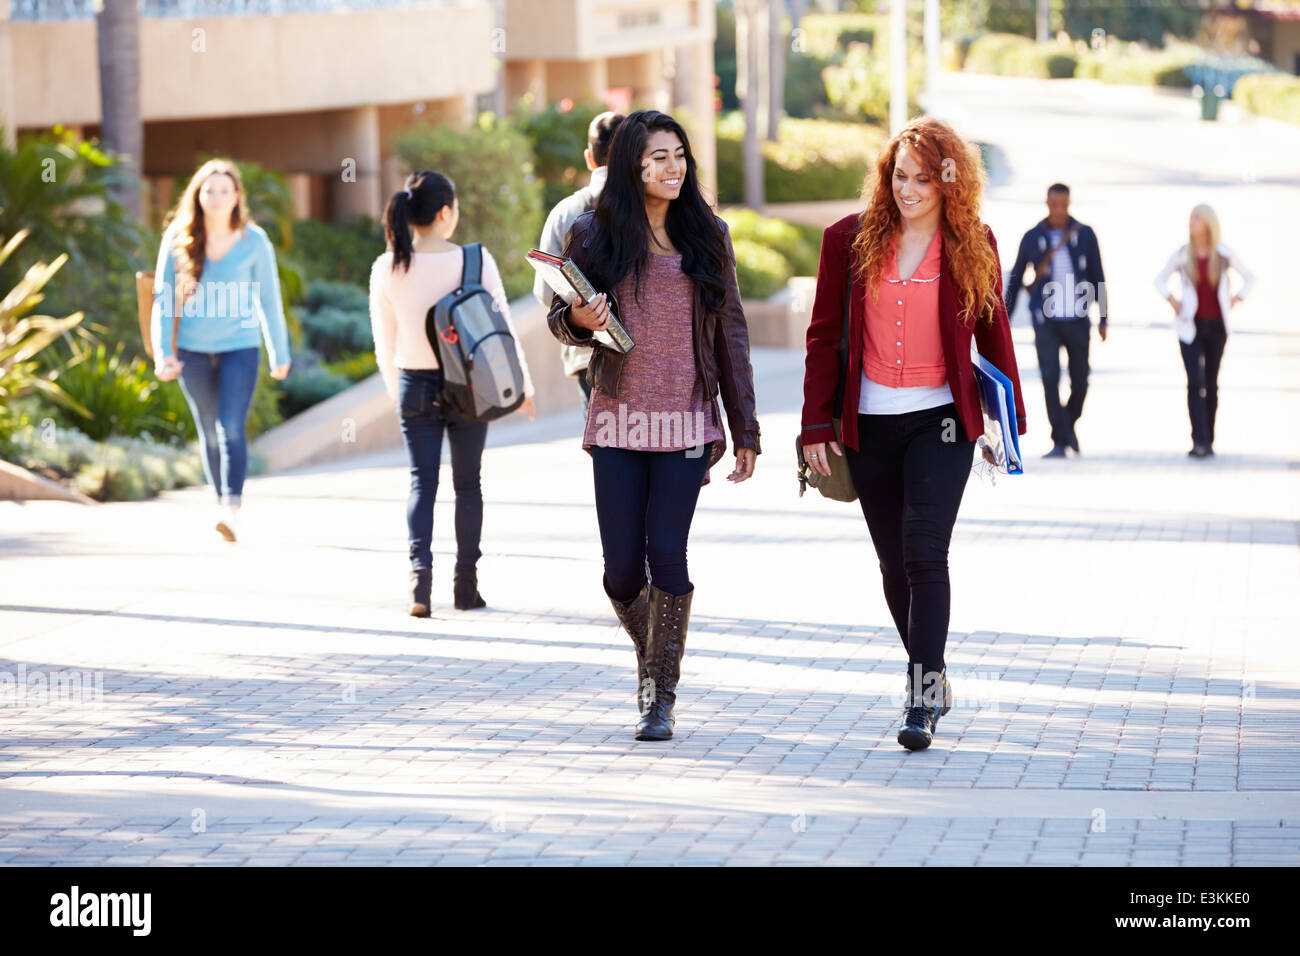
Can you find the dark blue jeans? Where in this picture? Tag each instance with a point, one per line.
(910, 475)
(219, 389)
(424, 422)
(1201, 361)
(1050, 336)
(645, 501)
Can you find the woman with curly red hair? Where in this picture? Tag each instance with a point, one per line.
(918, 276)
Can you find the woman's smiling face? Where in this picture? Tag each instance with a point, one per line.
(663, 165)
(915, 192)
(218, 196)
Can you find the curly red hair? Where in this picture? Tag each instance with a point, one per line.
(955, 168)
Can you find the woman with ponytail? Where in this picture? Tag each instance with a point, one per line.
(217, 293)
(422, 265)
(926, 280)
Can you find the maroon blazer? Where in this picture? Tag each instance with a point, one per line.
(827, 325)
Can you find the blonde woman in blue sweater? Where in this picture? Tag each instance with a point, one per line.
(216, 298)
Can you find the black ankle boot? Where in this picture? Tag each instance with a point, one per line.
(921, 717)
(421, 585)
(634, 615)
(666, 642)
(465, 591)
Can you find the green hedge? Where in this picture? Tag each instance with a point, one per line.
(813, 160)
(1275, 95)
(1136, 65)
(338, 251)
(760, 271)
(1009, 54)
(798, 245)
(119, 469)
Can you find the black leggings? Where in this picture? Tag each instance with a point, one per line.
(1201, 361)
(645, 501)
(910, 475)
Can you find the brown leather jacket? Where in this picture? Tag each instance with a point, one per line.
(721, 345)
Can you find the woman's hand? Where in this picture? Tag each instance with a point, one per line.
(745, 459)
(816, 455)
(280, 371)
(593, 315)
(1178, 306)
(988, 454)
(168, 369)
(529, 407)
(1236, 300)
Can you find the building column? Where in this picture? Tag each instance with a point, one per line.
(703, 143)
(525, 77)
(359, 141)
(594, 79)
(8, 107)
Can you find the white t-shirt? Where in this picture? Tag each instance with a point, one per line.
(877, 399)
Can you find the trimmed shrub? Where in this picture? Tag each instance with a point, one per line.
(760, 271)
(799, 246)
(813, 160)
(1276, 95)
(120, 469)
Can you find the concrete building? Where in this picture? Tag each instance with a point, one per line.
(319, 89)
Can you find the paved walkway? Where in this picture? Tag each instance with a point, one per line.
(1123, 633)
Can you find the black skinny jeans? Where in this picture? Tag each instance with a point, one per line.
(1201, 361)
(910, 482)
(423, 423)
(645, 501)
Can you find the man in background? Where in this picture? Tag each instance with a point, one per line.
(555, 234)
(1067, 278)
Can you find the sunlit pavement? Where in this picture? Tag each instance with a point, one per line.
(1123, 638)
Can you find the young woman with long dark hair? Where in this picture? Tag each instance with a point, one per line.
(422, 265)
(216, 289)
(653, 428)
(926, 279)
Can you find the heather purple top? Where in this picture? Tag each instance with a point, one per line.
(660, 405)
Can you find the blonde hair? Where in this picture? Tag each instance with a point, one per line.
(190, 244)
(1211, 219)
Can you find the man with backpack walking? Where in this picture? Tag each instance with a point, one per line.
(1067, 279)
(555, 234)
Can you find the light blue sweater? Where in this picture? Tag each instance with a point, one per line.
(238, 295)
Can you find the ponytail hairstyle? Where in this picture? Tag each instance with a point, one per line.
(416, 204)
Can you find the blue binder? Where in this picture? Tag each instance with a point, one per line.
(998, 402)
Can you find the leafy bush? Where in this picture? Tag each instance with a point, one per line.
(120, 469)
(309, 382)
(355, 367)
(760, 271)
(1269, 94)
(558, 136)
(500, 196)
(799, 246)
(122, 397)
(338, 251)
(1134, 64)
(23, 337)
(336, 318)
(812, 160)
(54, 187)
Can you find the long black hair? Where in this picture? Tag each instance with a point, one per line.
(622, 242)
(416, 204)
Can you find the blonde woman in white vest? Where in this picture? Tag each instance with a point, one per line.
(1201, 316)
